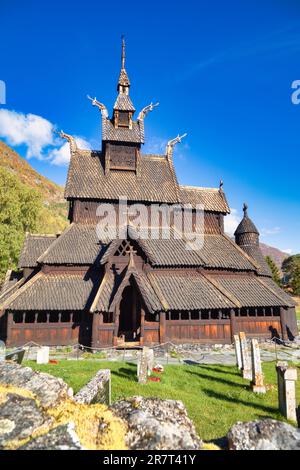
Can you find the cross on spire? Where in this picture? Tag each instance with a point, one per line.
(245, 209)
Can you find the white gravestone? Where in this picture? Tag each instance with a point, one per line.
(287, 377)
(246, 358)
(42, 356)
(2, 351)
(237, 347)
(257, 373)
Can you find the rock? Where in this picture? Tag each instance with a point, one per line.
(62, 437)
(155, 424)
(97, 390)
(48, 389)
(267, 434)
(19, 418)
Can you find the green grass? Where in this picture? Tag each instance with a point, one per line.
(298, 313)
(215, 396)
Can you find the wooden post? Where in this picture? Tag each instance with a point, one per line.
(142, 326)
(9, 325)
(283, 323)
(162, 327)
(95, 332)
(116, 327)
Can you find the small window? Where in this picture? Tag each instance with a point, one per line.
(18, 317)
(53, 317)
(42, 317)
(30, 317)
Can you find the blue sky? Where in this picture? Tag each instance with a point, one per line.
(222, 71)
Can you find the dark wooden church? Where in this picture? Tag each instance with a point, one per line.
(77, 287)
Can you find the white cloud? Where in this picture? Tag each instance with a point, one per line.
(61, 156)
(36, 133)
(26, 129)
(231, 222)
(288, 251)
(270, 231)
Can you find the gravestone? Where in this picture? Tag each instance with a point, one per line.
(237, 347)
(2, 351)
(42, 356)
(97, 390)
(286, 378)
(246, 358)
(145, 364)
(257, 373)
(16, 356)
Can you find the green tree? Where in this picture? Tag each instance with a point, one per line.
(19, 212)
(276, 276)
(291, 268)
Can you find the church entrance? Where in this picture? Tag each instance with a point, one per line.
(130, 315)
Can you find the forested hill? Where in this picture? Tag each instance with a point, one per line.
(11, 160)
(28, 202)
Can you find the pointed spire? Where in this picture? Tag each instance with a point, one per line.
(123, 53)
(123, 83)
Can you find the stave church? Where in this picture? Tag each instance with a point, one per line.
(120, 280)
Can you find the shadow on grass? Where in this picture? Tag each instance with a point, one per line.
(235, 401)
(232, 370)
(129, 372)
(218, 379)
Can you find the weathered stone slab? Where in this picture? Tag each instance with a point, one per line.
(237, 347)
(48, 389)
(155, 424)
(257, 373)
(62, 437)
(16, 356)
(246, 358)
(267, 434)
(97, 390)
(19, 418)
(145, 364)
(42, 356)
(286, 379)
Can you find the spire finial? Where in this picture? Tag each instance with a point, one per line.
(221, 184)
(245, 209)
(131, 252)
(123, 52)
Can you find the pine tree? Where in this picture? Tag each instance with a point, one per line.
(274, 270)
(295, 281)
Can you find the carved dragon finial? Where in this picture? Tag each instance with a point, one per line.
(171, 144)
(245, 209)
(99, 105)
(70, 138)
(146, 110)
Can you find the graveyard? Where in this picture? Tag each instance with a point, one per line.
(215, 396)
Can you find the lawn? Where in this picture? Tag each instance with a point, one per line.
(298, 313)
(215, 396)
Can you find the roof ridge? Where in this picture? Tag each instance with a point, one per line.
(21, 290)
(221, 289)
(46, 252)
(198, 188)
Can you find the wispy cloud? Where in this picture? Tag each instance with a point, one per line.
(283, 41)
(36, 134)
(270, 231)
(231, 221)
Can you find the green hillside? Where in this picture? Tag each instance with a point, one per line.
(28, 202)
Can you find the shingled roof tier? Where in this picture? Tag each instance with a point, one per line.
(87, 180)
(56, 292)
(122, 134)
(34, 246)
(255, 252)
(250, 291)
(78, 244)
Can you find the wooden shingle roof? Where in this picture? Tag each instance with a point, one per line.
(86, 179)
(34, 246)
(212, 199)
(55, 292)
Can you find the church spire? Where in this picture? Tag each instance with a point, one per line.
(123, 83)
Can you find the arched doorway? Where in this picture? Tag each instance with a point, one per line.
(130, 315)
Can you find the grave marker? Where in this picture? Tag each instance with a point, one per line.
(286, 378)
(246, 358)
(42, 356)
(2, 351)
(237, 347)
(257, 373)
(145, 364)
